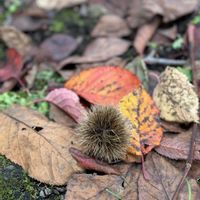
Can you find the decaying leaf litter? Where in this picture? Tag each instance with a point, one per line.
(120, 81)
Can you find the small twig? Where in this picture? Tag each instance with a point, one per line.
(163, 61)
(195, 126)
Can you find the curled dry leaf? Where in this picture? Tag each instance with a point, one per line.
(41, 147)
(15, 39)
(87, 162)
(177, 146)
(12, 67)
(111, 25)
(68, 101)
(108, 187)
(57, 4)
(101, 49)
(58, 46)
(146, 132)
(163, 181)
(104, 85)
(175, 97)
(145, 33)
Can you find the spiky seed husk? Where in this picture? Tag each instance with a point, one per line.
(175, 97)
(104, 134)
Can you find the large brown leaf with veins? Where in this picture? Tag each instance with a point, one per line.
(163, 181)
(38, 145)
(108, 187)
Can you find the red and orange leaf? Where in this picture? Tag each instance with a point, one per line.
(104, 85)
(146, 132)
(12, 67)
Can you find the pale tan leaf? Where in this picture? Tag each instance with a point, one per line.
(111, 25)
(38, 145)
(175, 97)
(163, 181)
(15, 39)
(57, 4)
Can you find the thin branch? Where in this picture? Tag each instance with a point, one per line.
(189, 162)
(163, 61)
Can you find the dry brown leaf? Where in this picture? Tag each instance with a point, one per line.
(194, 170)
(163, 181)
(177, 146)
(111, 25)
(58, 46)
(38, 145)
(108, 187)
(145, 33)
(165, 35)
(175, 97)
(138, 12)
(100, 49)
(57, 4)
(141, 11)
(173, 127)
(27, 23)
(15, 39)
(61, 117)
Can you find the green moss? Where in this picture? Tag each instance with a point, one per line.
(14, 183)
(64, 19)
(71, 22)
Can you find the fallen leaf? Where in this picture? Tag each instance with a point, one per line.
(144, 34)
(174, 127)
(139, 68)
(68, 101)
(153, 77)
(140, 12)
(58, 4)
(111, 25)
(177, 146)
(165, 36)
(175, 97)
(115, 61)
(146, 132)
(12, 67)
(89, 163)
(27, 23)
(31, 75)
(194, 170)
(60, 116)
(38, 145)
(103, 85)
(58, 46)
(108, 187)
(15, 39)
(100, 49)
(163, 181)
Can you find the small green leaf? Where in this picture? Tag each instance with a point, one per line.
(185, 71)
(138, 67)
(178, 43)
